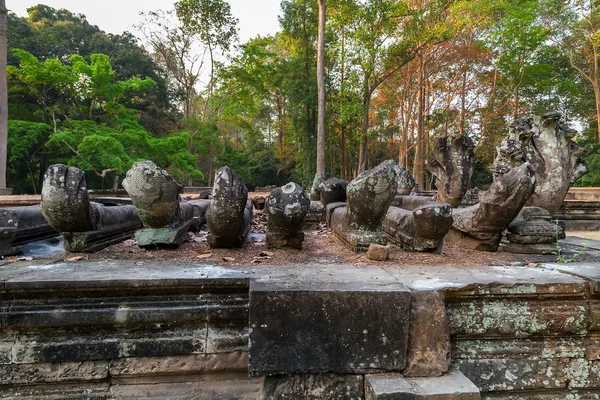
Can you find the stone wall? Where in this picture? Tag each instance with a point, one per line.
(125, 330)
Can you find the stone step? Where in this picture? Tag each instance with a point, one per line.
(451, 386)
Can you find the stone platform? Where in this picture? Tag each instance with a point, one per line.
(164, 330)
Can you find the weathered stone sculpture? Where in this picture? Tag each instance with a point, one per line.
(86, 226)
(333, 190)
(20, 226)
(286, 207)
(156, 196)
(453, 165)
(546, 143)
(533, 232)
(230, 212)
(421, 226)
(406, 183)
(480, 226)
(358, 223)
(315, 216)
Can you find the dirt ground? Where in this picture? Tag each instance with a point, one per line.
(321, 246)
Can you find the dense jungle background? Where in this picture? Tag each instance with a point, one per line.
(182, 91)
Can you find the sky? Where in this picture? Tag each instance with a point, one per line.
(256, 17)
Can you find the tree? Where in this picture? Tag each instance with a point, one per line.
(576, 33)
(217, 28)
(3, 95)
(321, 95)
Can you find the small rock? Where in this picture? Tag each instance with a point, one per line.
(77, 258)
(207, 255)
(378, 252)
(228, 259)
(259, 202)
(266, 254)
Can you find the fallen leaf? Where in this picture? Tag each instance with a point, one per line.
(205, 255)
(266, 254)
(202, 251)
(228, 259)
(76, 258)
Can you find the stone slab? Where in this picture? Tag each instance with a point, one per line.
(587, 270)
(429, 338)
(515, 281)
(581, 242)
(179, 365)
(313, 327)
(313, 387)
(109, 274)
(452, 386)
(218, 388)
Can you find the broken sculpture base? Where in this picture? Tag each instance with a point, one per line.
(357, 240)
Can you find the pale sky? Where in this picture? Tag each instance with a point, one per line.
(256, 17)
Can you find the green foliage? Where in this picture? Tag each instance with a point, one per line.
(25, 145)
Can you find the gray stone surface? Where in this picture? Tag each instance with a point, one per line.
(333, 190)
(370, 195)
(20, 226)
(154, 193)
(429, 337)
(452, 386)
(156, 196)
(313, 387)
(230, 212)
(356, 239)
(480, 226)
(533, 232)
(65, 201)
(405, 181)
(319, 327)
(589, 271)
(546, 144)
(86, 226)
(420, 229)
(286, 208)
(316, 213)
(452, 165)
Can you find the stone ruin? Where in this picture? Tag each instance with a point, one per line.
(406, 182)
(546, 143)
(452, 165)
(230, 213)
(358, 222)
(156, 196)
(86, 226)
(286, 207)
(417, 223)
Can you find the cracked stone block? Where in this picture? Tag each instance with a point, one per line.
(320, 327)
(452, 386)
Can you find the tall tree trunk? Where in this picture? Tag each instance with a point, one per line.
(321, 90)
(342, 127)
(210, 86)
(597, 98)
(362, 153)
(463, 100)
(418, 168)
(3, 95)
